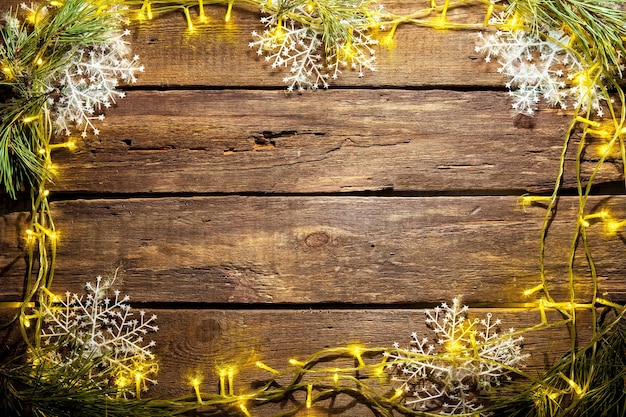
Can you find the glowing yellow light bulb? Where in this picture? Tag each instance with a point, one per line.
(533, 290)
(611, 227)
(310, 6)
(26, 323)
(195, 382)
(203, 18)
(399, 392)
(223, 383)
(605, 149)
(244, 410)
(295, 362)
(138, 378)
(188, 17)
(231, 375)
(336, 379)
(39, 62)
(587, 121)
(514, 23)
(356, 352)
(263, 366)
(29, 119)
(454, 346)
(228, 11)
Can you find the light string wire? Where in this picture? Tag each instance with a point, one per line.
(42, 236)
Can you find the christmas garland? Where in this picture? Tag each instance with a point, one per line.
(60, 65)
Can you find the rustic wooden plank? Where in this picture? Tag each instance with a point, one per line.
(192, 342)
(333, 141)
(317, 249)
(217, 54)
(201, 342)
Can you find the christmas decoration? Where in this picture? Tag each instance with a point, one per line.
(60, 65)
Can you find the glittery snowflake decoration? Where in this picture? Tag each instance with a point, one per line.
(317, 53)
(540, 68)
(466, 358)
(104, 330)
(88, 82)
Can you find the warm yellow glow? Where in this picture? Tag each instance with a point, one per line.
(121, 382)
(228, 11)
(605, 149)
(231, 375)
(527, 200)
(309, 399)
(454, 346)
(26, 323)
(514, 23)
(295, 362)
(188, 17)
(56, 3)
(195, 383)
(39, 61)
(533, 290)
(336, 379)
(203, 18)
(611, 227)
(399, 392)
(355, 350)
(244, 410)
(310, 6)
(29, 119)
(587, 121)
(263, 366)
(602, 214)
(488, 14)
(572, 384)
(223, 382)
(138, 378)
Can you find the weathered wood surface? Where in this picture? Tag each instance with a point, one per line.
(227, 201)
(329, 141)
(303, 250)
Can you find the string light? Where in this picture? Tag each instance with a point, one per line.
(138, 378)
(309, 396)
(223, 383)
(231, 375)
(188, 17)
(572, 384)
(263, 366)
(228, 11)
(397, 394)
(611, 227)
(244, 410)
(533, 290)
(195, 382)
(356, 352)
(295, 362)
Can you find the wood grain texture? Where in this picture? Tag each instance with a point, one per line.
(303, 250)
(233, 141)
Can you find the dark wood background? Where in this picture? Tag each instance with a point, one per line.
(262, 225)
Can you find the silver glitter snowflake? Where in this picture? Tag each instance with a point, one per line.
(466, 358)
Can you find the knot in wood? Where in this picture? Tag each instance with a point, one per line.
(317, 240)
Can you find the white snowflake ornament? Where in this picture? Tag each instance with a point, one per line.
(465, 358)
(105, 330)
